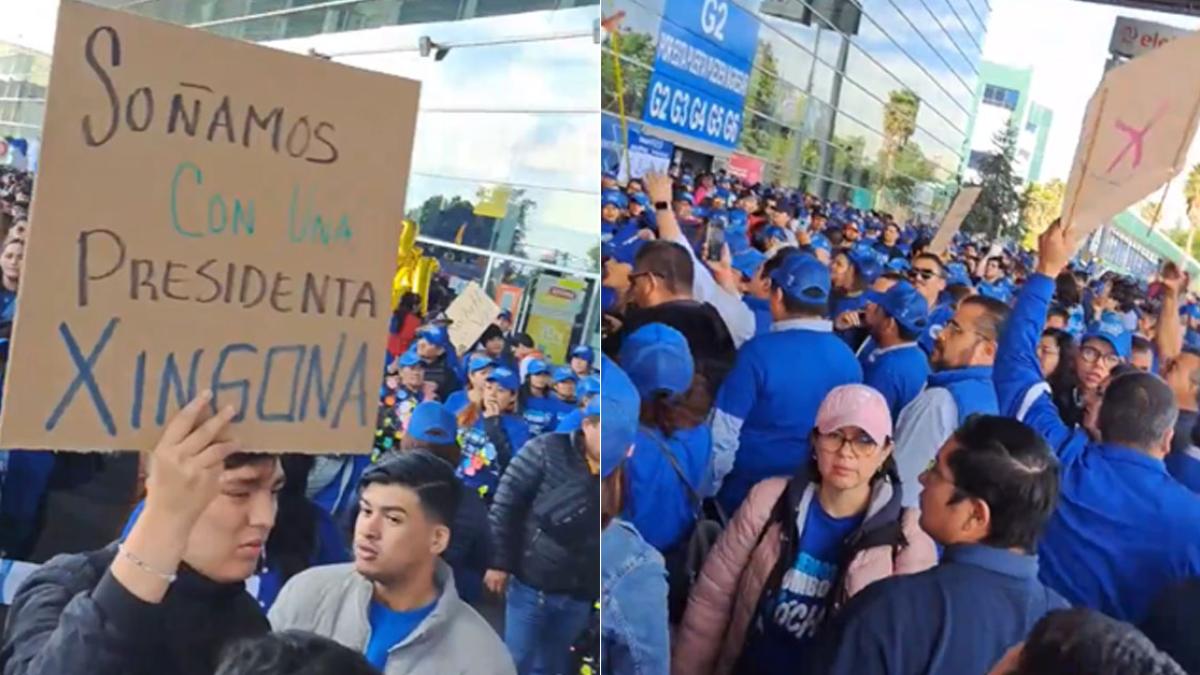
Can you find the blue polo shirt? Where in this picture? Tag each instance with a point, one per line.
(1124, 529)
(657, 502)
(389, 628)
(959, 617)
(898, 372)
(761, 308)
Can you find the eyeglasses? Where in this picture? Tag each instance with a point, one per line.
(1092, 355)
(861, 445)
(925, 274)
(638, 275)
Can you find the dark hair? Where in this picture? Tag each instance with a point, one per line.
(670, 414)
(523, 340)
(1082, 640)
(670, 262)
(1063, 379)
(1066, 290)
(1141, 344)
(292, 652)
(1007, 465)
(995, 314)
(431, 477)
(239, 459)
(774, 262)
(795, 307)
(293, 541)
(1171, 620)
(958, 292)
(1138, 408)
(933, 258)
(999, 261)
(450, 452)
(1058, 310)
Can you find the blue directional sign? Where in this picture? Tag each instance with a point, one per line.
(702, 70)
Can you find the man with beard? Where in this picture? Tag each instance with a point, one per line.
(397, 601)
(960, 386)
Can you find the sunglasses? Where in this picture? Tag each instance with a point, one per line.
(916, 272)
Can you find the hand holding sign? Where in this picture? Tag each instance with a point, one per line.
(1136, 134)
(1055, 247)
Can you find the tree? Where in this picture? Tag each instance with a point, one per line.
(899, 124)
(1151, 212)
(997, 211)
(1191, 193)
(760, 97)
(637, 59)
(909, 169)
(1043, 203)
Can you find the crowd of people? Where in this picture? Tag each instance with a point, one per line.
(829, 448)
(479, 498)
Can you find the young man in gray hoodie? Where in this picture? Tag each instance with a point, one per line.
(397, 601)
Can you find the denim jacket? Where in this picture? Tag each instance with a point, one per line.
(633, 604)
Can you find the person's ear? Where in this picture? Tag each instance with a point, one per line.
(979, 519)
(440, 539)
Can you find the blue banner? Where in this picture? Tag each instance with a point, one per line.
(702, 70)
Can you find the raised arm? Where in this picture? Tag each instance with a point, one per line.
(1020, 390)
(1169, 338)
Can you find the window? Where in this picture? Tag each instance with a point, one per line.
(1031, 127)
(1001, 96)
(978, 159)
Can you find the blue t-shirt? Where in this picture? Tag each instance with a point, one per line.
(898, 372)
(761, 308)
(389, 628)
(542, 414)
(792, 617)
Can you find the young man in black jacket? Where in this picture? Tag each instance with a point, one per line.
(546, 544)
(171, 597)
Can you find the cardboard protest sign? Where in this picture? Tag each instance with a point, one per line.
(953, 220)
(1136, 133)
(210, 214)
(472, 312)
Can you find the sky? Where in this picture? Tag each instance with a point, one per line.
(29, 23)
(1067, 66)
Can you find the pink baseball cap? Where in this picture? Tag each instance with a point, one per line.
(855, 405)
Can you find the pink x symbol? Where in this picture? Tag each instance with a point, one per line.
(1136, 137)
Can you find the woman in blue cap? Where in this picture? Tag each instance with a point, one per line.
(582, 357)
(634, 633)
(851, 273)
(538, 405)
(565, 380)
(589, 388)
(403, 388)
(669, 469)
(479, 366)
(491, 433)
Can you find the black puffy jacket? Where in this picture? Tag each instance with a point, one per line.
(542, 471)
(72, 617)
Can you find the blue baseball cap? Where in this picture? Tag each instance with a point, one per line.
(748, 261)
(589, 386)
(615, 198)
(608, 173)
(898, 265)
(431, 422)
(640, 198)
(956, 274)
(682, 196)
(409, 359)
(537, 367)
(583, 352)
(721, 193)
(657, 359)
(1111, 329)
(563, 373)
(903, 303)
(506, 378)
(775, 232)
(622, 407)
(821, 241)
(479, 362)
(504, 314)
(867, 264)
(803, 278)
(435, 335)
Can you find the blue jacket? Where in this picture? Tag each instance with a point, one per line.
(634, 638)
(1124, 529)
(974, 605)
(762, 313)
(898, 372)
(768, 403)
(938, 319)
(1184, 466)
(657, 503)
(971, 388)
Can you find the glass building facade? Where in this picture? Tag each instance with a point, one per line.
(866, 101)
(503, 182)
(24, 74)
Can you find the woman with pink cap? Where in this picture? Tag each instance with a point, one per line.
(798, 548)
